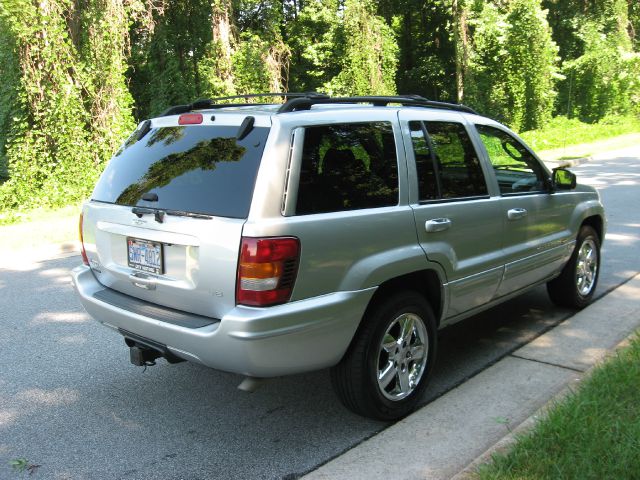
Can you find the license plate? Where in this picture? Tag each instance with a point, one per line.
(145, 255)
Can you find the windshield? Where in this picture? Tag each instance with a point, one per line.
(196, 169)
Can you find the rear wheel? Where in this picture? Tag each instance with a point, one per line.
(390, 360)
(576, 284)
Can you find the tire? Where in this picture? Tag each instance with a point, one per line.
(395, 343)
(575, 286)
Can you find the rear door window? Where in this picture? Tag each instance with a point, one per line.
(446, 161)
(348, 167)
(198, 169)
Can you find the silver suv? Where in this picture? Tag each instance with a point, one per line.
(272, 239)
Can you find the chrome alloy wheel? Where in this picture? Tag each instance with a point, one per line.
(587, 267)
(402, 356)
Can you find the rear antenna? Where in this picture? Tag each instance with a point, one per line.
(245, 128)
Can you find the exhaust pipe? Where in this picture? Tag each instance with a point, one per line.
(250, 384)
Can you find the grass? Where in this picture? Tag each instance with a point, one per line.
(565, 138)
(563, 132)
(594, 433)
(41, 227)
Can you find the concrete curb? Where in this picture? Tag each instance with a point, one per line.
(451, 436)
(502, 446)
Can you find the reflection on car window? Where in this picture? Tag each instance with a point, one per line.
(516, 169)
(446, 161)
(348, 167)
(198, 169)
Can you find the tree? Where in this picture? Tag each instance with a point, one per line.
(599, 65)
(427, 46)
(171, 41)
(369, 61)
(513, 66)
(317, 46)
(72, 106)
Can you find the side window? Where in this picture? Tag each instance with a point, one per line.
(348, 167)
(516, 169)
(446, 161)
(427, 182)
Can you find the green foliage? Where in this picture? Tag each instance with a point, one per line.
(513, 65)
(606, 78)
(427, 47)
(634, 24)
(257, 64)
(599, 66)
(170, 46)
(317, 45)
(10, 74)
(74, 71)
(72, 105)
(48, 146)
(562, 131)
(369, 61)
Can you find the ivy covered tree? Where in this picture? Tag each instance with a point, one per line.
(70, 106)
(316, 40)
(605, 78)
(9, 88)
(75, 73)
(369, 60)
(599, 65)
(513, 67)
(427, 47)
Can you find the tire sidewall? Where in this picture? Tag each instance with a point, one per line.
(586, 233)
(382, 318)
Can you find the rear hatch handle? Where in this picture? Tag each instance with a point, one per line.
(143, 281)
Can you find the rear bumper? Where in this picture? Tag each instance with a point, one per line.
(263, 342)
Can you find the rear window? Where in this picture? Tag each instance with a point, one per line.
(197, 169)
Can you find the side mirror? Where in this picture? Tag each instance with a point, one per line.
(563, 179)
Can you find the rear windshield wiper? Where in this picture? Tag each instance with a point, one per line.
(159, 213)
(181, 213)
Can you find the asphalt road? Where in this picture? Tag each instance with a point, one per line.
(71, 402)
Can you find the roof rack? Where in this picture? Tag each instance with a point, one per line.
(304, 101)
(211, 103)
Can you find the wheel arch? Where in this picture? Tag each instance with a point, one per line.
(425, 282)
(597, 223)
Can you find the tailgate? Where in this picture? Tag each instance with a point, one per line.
(164, 222)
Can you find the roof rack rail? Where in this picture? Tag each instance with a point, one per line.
(305, 103)
(213, 102)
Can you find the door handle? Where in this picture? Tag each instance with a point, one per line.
(437, 225)
(516, 213)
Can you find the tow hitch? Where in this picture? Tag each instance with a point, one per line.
(143, 357)
(144, 352)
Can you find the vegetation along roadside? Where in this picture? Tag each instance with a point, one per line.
(593, 433)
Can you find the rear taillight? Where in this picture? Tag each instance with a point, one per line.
(83, 252)
(267, 270)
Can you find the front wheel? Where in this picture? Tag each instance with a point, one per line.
(390, 360)
(575, 286)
